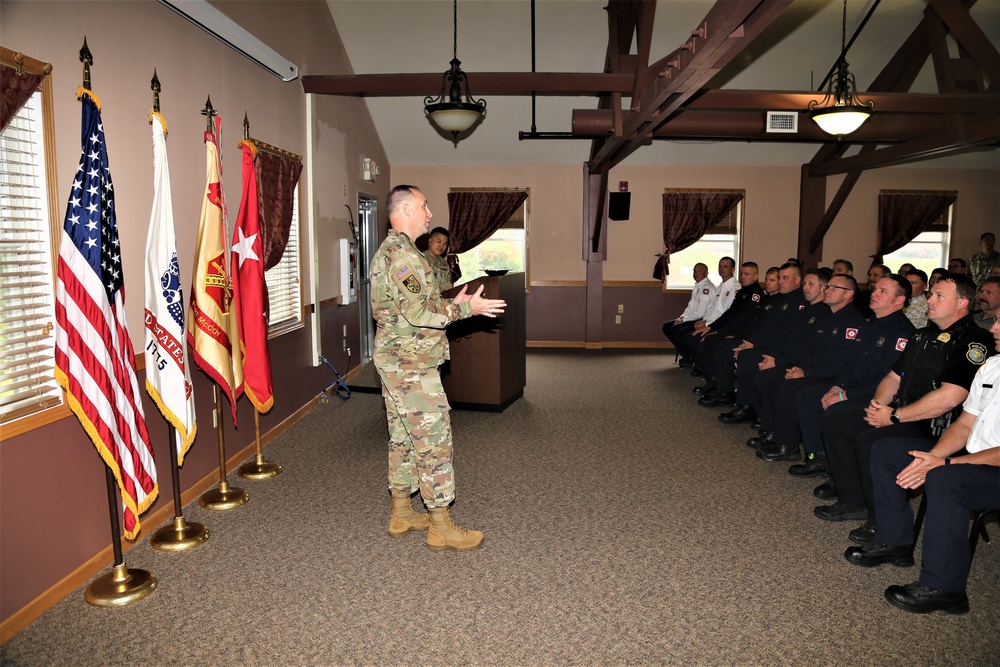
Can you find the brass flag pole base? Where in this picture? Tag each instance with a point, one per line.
(259, 468)
(224, 497)
(180, 536)
(120, 586)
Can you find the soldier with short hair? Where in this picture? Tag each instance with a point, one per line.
(410, 345)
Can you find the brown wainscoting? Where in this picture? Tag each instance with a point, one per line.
(644, 309)
(24, 616)
(556, 312)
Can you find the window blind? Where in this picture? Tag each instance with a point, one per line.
(284, 289)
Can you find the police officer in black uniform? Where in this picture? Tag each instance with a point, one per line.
(879, 343)
(916, 399)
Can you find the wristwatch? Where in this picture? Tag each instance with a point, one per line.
(893, 417)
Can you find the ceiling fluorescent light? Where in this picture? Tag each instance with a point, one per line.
(230, 33)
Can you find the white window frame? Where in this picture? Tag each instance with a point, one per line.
(682, 263)
(514, 223)
(938, 236)
(27, 344)
(284, 282)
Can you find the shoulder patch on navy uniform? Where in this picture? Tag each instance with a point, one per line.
(405, 277)
(900, 344)
(755, 297)
(851, 333)
(976, 353)
(802, 307)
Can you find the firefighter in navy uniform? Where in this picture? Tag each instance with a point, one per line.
(916, 399)
(880, 342)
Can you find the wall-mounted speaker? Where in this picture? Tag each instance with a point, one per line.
(618, 205)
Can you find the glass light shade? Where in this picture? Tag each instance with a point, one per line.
(840, 120)
(454, 117)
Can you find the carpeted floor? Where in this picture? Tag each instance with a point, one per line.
(624, 526)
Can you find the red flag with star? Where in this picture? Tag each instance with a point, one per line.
(249, 289)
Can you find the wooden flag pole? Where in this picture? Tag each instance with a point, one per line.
(180, 535)
(224, 497)
(258, 468)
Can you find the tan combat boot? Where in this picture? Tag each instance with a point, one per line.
(404, 518)
(443, 534)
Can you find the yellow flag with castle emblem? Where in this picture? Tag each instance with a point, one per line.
(213, 327)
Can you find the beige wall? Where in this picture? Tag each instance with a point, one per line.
(770, 220)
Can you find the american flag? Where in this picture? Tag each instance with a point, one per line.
(94, 359)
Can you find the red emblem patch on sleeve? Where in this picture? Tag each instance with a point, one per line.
(851, 334)
(900, 344)
(802, 307)
(755, 297)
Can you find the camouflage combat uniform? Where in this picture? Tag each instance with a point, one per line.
(440, 270)
(410, 344)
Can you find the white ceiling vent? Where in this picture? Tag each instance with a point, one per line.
(782, 121)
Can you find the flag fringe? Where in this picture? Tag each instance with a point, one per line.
(109, 459)
(175, 421)
(163, 121)
(250, 145)
(82, 92)
(260, 407)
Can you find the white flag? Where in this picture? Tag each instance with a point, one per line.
(168, 378)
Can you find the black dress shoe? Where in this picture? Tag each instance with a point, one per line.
(697, 372)
(705, 389)
(756, 424)
(723, 398)
(743, 414)
(841, 512)
(814, 466)
(684, 362)
(921, 599)
(760, 441)
(863, 534)
(774, 452)
(826, 491)
(876, 553)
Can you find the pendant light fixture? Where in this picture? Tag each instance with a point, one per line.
(840, 112)
(454, 115)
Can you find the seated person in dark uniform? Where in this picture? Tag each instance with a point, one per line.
(770, 332)
(875, 273)
(931, 379)
(746, 302)
(842, 267)
(955, 483)
(831, 352)
(880, 342)
(751, 363)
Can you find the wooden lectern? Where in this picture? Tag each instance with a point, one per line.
(487, 367)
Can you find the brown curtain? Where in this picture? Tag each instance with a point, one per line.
(276, 179)
(904, 215)
(15, 90)
(687, 216)
(474, 216)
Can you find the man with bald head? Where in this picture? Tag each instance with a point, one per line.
(410, 345)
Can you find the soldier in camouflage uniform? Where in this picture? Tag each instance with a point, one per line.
(437, 247)
(410, 344)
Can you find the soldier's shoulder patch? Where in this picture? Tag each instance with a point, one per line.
(901, 344)
(755, 297)
(976, 353)
(406, 277)
(851, 333)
